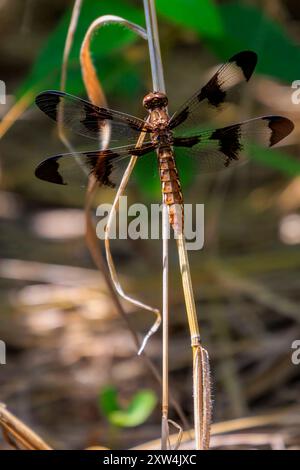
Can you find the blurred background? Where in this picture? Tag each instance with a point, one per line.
(70, 359)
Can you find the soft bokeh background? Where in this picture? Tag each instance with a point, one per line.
(66, 343)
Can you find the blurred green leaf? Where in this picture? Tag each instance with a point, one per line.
(147, 176)
(276, 159)
(247, 27)
(106, 45)
(137, 412)
(201, 16)
(108, 400)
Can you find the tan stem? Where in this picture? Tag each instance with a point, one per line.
(201, 383)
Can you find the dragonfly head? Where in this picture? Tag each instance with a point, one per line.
(154, 100)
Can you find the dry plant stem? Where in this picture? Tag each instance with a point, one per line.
(97, 96)
(159, 85)
(18, 434)
(69, 41)
(16, 112)
(165, 336)
(289, 415)
(207, 400)
(110, 262)
(201, 375)
(89, 74)
(179, 437)
(68, 44)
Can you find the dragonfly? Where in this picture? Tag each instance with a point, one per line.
(213, 149)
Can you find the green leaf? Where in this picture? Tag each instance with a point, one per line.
(201, 16)
(276, 159)
(137, 412)
(140, 408)
(105, 46)
(146, 173)
(108, 401)
(247, 27)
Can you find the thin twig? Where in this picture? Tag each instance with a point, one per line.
(18, 434)
(69, 41)
(159, 85)
(16, 111)
(67, 49)
(109, 258)
(289, 415)
(201, 376)
(89, 73)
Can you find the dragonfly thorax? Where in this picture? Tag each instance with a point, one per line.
(162, 137)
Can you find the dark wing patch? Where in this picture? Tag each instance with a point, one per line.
(50, 171)
(220, 148)
(280, 128)
(230, 141)
(75, 168)
(91, 121)
(246, 61)
(237, 70)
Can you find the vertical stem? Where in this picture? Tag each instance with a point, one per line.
(201, 373)
(195, 339)
(154, 47)
(165, 332)
(201, 383)
(159, 85)
(188, 292)
(69, 42)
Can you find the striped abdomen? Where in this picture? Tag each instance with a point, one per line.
(171, 188)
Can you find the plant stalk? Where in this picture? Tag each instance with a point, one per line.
(201, 382)
(201, 373)
(159, 85)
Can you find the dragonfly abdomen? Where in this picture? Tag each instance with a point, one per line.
(171, 187)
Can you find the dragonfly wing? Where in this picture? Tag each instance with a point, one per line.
(226, 147)
(91, 121)
(237, 70)
(75, 168)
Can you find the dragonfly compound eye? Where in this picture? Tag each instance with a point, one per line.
(155, 100)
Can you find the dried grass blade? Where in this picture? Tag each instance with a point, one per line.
(15, 431)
